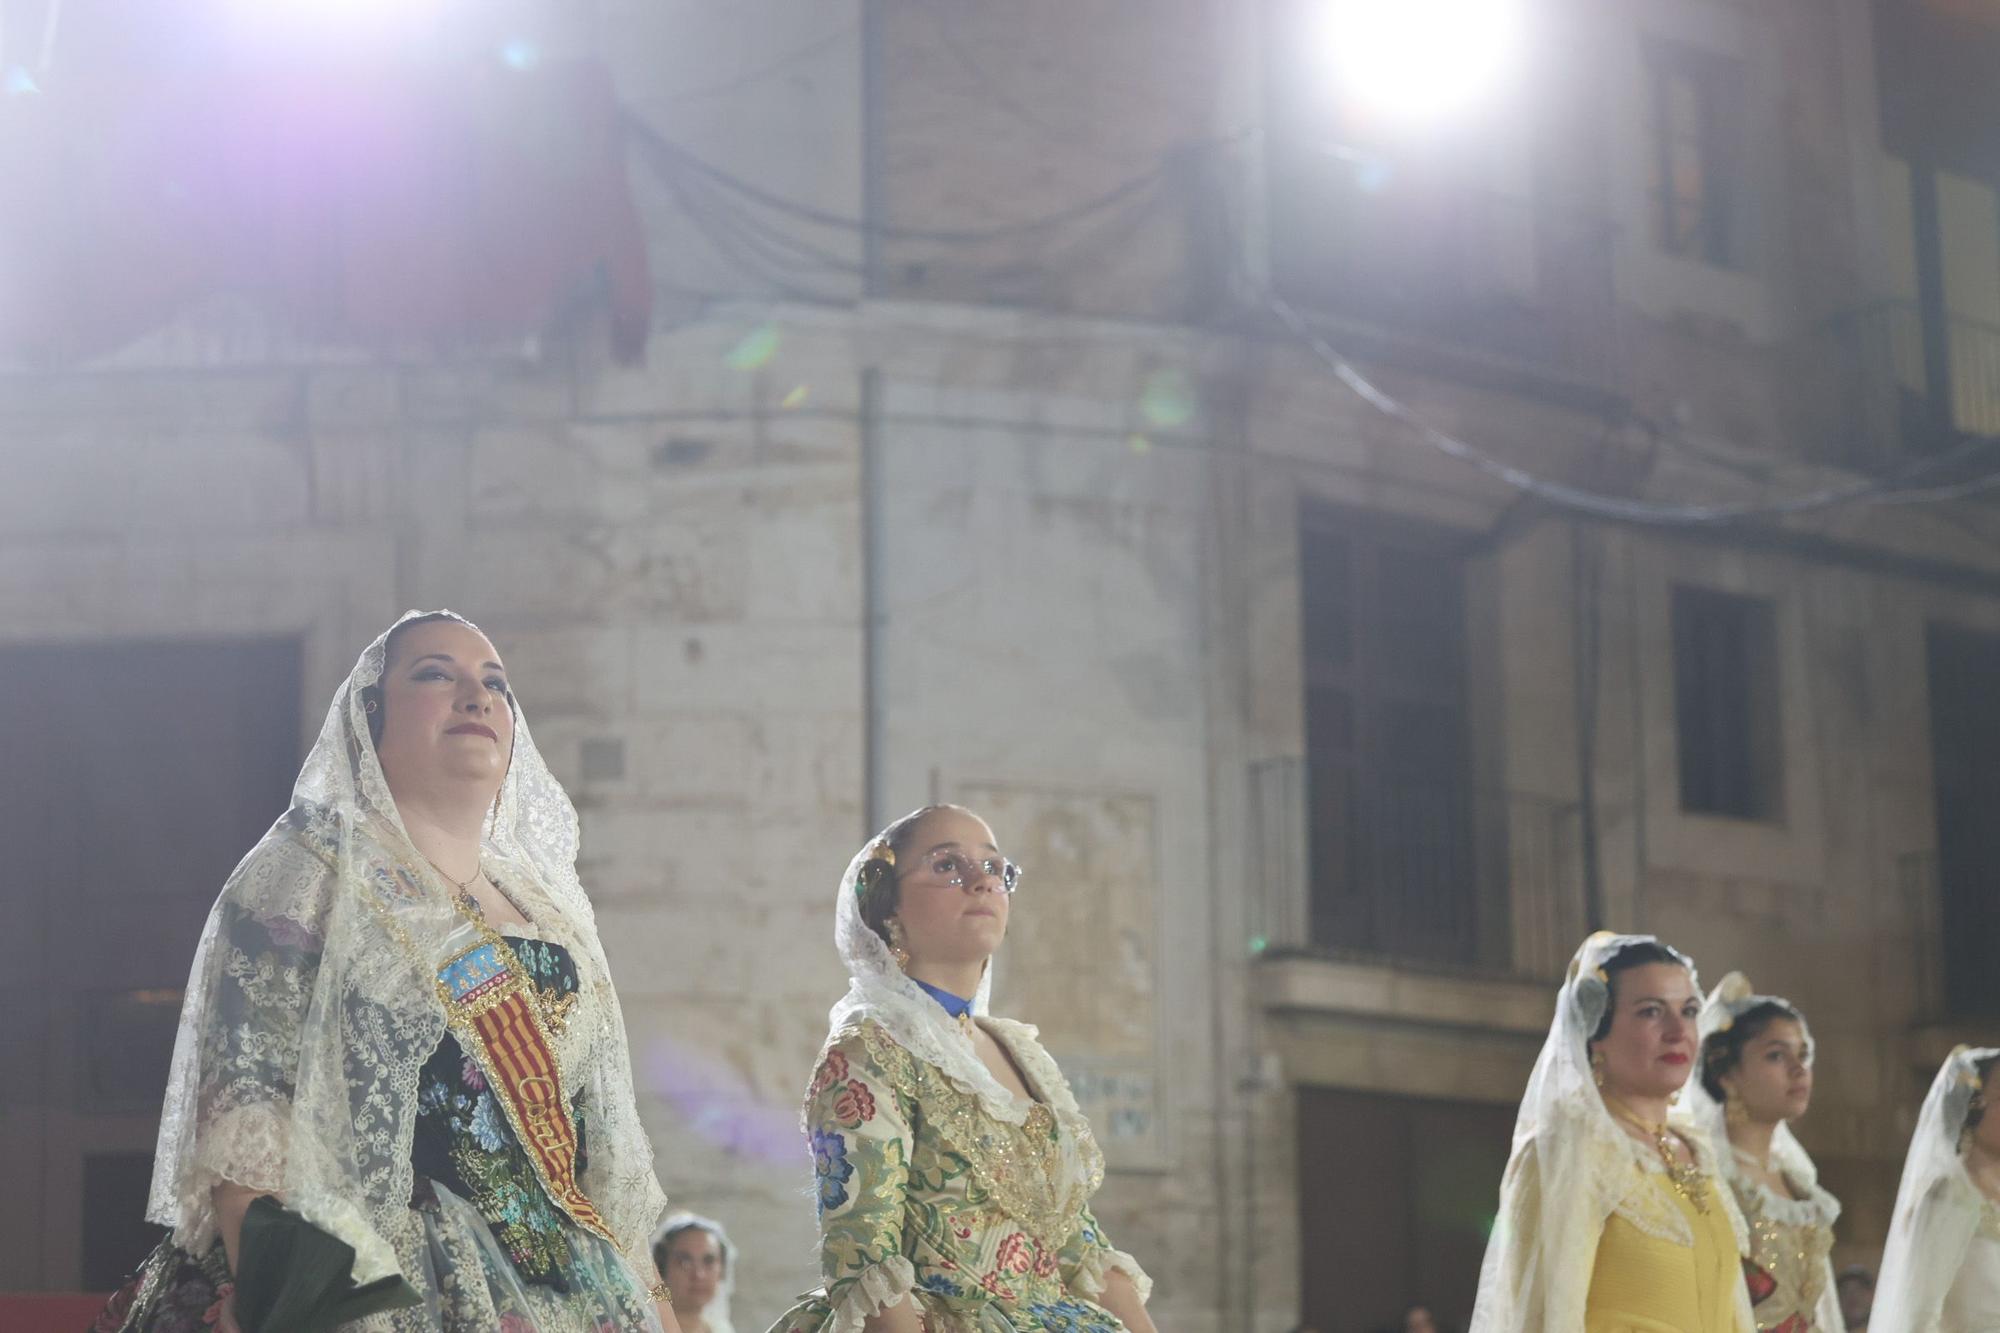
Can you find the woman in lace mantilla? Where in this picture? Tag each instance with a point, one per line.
(953, 1168)
(1941, 1268)
(1612, 1217)
(1756, 1077)
(337, 1046)
(698, 1260)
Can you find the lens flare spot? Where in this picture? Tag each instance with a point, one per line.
(1138, 443)
(520, 54)
(756, 349)
(1167, 399)
(19, 83)
(796, 398)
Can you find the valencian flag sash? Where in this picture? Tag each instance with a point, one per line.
(503, 1023)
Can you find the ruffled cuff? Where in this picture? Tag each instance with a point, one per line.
(1098, 1263)
(877, 1288)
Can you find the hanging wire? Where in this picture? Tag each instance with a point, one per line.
(725, 215)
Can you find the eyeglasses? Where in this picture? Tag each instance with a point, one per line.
(961, 871)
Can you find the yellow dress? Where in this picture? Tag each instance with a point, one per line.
(1664, 1266)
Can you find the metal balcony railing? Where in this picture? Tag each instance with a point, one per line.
(1420, 872)
(1863, 392)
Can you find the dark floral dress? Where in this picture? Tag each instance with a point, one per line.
(539, 1272)
(464, 1143)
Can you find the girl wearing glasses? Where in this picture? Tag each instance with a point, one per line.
(953, 1169)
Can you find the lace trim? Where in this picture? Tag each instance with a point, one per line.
(1650, 1207)
(920, 1026)
(1099, 1263)
(1817, 1209)
(1023, 1042)
(877, 1288)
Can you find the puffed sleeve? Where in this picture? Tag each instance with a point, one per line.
(858, 1125)
(1089, 1257)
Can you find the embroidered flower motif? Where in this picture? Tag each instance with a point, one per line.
(939, 1283)
(488, 1128)
(1014, 1255)
(854, 1105)
(831, 1168)
(831, 1071)
(1069, 1317)
(993, 1286)
(222, 1295)
(513, 1323)
(472, 1075)
(1045, 1263)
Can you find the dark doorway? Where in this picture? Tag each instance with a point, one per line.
(137, 774)
(1965, 763)
(1397, 1195)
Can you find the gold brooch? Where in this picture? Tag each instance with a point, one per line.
(555, 1007)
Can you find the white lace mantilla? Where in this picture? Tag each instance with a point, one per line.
(312, 1006)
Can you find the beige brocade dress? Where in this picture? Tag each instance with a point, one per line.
(1791, 1240)
(985, 1225)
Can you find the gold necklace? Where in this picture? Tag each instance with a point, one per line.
(1685, 1177)
(462, 890)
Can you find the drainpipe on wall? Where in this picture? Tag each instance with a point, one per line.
(872, 615)
(1586, 632)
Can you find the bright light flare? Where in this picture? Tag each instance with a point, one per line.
(1416, 61)
(334, 28)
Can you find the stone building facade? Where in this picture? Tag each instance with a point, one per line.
(1322, 748)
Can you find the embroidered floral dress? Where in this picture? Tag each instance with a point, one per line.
(924, 1193)
(492, 1253)
(1787, 1270)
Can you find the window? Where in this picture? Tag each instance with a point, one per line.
(1726, 704)
(1964, 680)
(1383, 618)
(1695, 134)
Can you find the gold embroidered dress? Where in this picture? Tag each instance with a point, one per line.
(935, 1184)
(1789, 1270)
(922, 1191)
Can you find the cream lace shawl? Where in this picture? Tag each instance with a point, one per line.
(312, 1005)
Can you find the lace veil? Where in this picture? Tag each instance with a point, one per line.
(1937, 1206)
(1733, 997)
(312, 1005)
(877, 989)
(1570, 1168)
(716, 1315)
